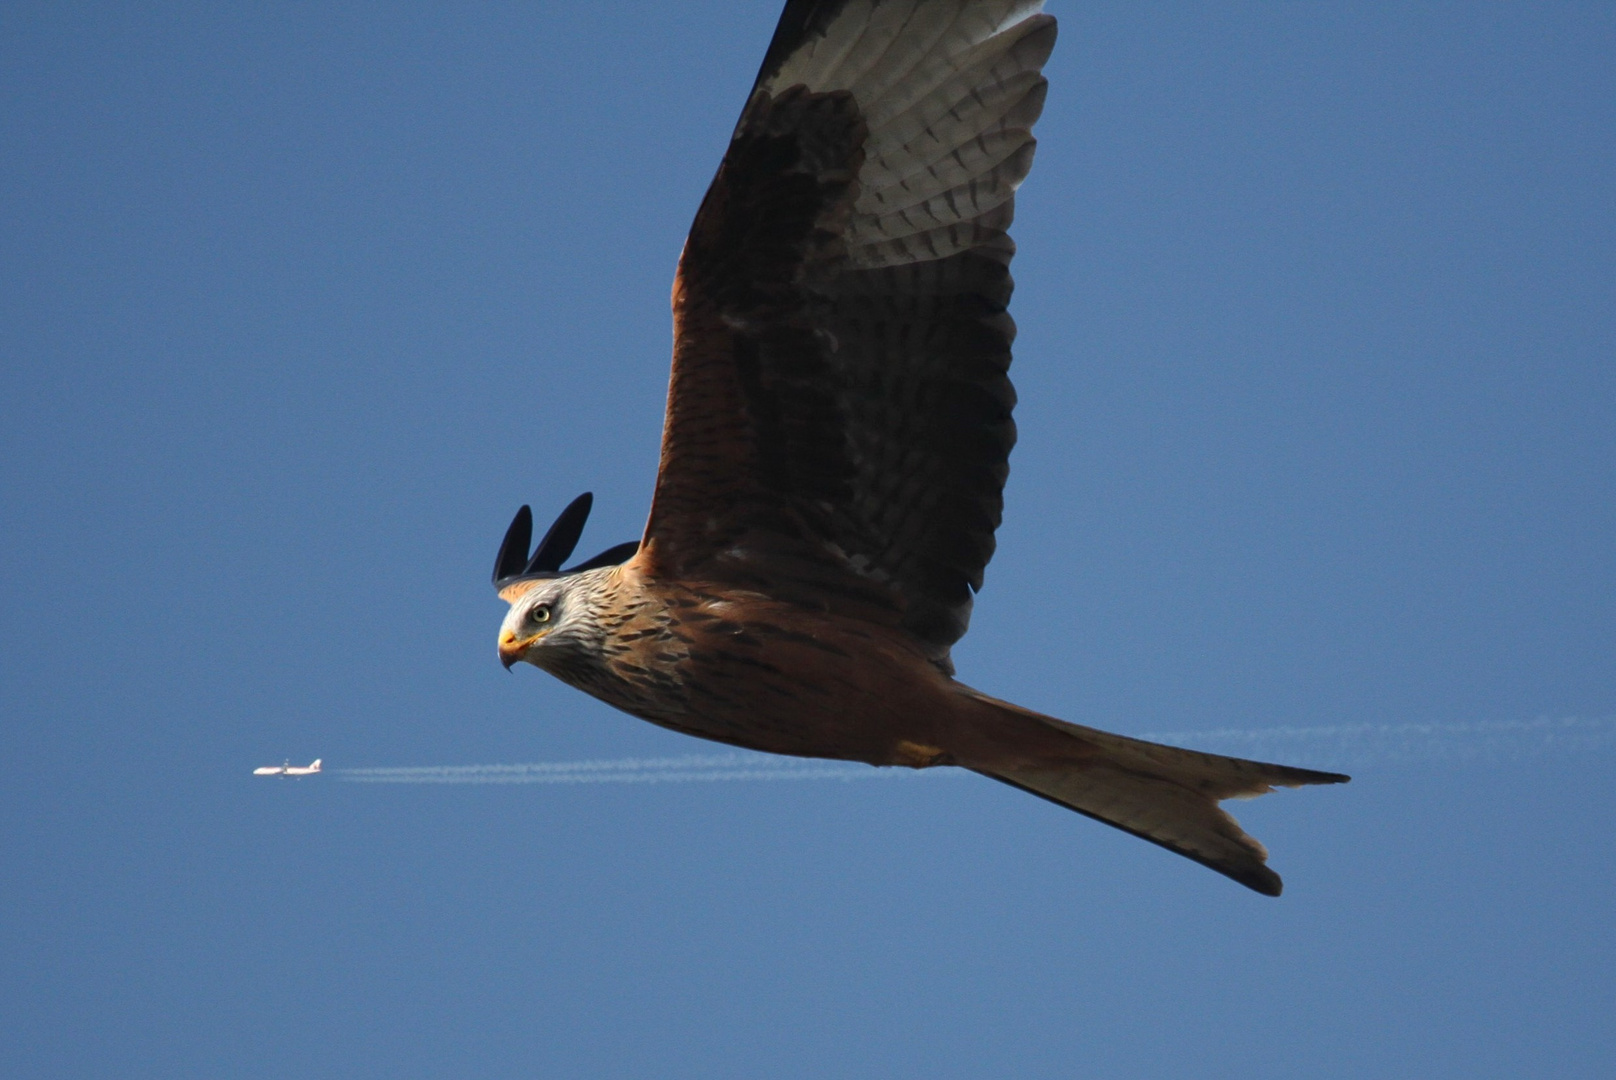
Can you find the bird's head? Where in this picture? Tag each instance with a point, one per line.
(551, 609)
(544, 615)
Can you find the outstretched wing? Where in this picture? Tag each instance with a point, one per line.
(838, 426)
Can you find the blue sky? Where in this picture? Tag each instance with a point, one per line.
(1318, 427)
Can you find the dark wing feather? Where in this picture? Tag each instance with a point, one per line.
(838, 426)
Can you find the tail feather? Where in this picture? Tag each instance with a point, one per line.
(1163, 794)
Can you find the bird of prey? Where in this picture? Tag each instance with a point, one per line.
(837, 439)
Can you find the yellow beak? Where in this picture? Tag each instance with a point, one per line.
(512, 647)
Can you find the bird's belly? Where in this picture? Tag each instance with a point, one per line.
(789, 682)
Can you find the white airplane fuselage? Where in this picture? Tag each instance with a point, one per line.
(288, 769)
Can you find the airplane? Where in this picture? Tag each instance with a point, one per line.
(288, 769)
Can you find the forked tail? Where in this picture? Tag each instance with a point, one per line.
(1159, 793)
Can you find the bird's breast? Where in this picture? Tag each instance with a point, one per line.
(744, 669)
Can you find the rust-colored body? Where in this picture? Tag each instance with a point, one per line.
(767, 675)
(740, 667)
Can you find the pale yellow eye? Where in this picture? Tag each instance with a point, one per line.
(539, 614)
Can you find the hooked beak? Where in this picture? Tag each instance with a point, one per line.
(512, 647)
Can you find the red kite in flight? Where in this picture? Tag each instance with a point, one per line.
(838, 436)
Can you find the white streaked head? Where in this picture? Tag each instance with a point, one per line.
(552, 616)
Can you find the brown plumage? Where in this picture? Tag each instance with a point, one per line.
(838, 436)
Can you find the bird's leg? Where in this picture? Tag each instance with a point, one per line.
(919, 756)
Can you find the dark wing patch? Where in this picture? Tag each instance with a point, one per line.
(838, 424)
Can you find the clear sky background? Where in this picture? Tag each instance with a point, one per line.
(299, 302)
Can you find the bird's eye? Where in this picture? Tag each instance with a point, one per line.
(540, 614)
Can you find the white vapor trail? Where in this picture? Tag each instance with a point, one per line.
(1337, 746)
(689, 768)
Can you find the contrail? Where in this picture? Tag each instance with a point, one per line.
(1336, 746)
(1350, 745)
(689, 768)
